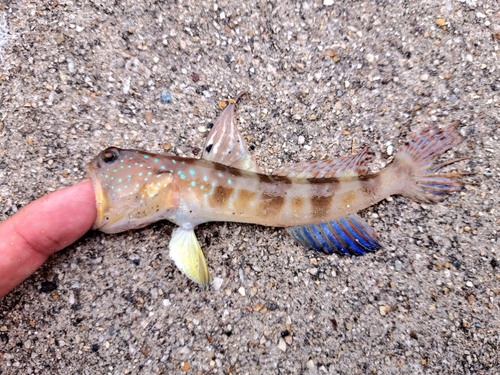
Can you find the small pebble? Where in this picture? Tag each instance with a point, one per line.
(282, 345)
(241, 291)
(424, 77)
(217, 283)
(384, 309)
(301, 140)
(328, 2)
(27, 344)
(71, 65)
(469, 284)
(390, 150)
(313, 271)
(440, 22)
(166, 98)
(398, 265)
(60, 39)
(48, 286)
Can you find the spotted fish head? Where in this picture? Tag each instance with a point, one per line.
(132, 189)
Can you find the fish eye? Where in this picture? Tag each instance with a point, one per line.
(110, 155)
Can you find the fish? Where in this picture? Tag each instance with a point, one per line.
(316, 201)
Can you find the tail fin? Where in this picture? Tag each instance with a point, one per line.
(416, 158)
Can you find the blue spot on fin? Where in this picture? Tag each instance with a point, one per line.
(349, 235)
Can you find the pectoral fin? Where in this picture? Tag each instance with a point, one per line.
(186, 252)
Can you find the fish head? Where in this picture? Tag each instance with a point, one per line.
(132, 189)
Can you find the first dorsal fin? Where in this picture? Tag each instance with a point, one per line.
(225, 145)
(348, 166)
(349, 235)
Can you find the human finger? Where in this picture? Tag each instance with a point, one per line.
(42, 228)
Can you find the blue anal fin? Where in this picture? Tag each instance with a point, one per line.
(349, 235)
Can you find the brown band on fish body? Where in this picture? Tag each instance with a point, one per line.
(283, 180)
(271, 205)
(219, 167)
(320, 205)
(235, 172)
(220, 196)
(265, 179)
(348, 198)
(244, 200)
(324, 186)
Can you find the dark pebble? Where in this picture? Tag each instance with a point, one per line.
(48, 286)
(95, 347)
(227, 59)
(494, 87)
(494, 263)
(334, 324)
(285, 333)
(456, 264)
(210, 125)
(4, 338)
(414, 335)
(272, 306)
(166, 98)
(196, 151)
(196, 77)
(136, 262)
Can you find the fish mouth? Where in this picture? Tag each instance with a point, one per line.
(101, 198)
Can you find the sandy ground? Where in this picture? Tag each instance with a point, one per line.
(324, 80)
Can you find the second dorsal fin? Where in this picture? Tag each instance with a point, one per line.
(225, 145)
(349, 166)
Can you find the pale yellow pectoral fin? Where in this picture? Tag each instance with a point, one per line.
(186, 252)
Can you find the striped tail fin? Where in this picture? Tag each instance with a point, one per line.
(415, 160)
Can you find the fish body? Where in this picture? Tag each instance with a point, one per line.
(141, 188)
(316, 201)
